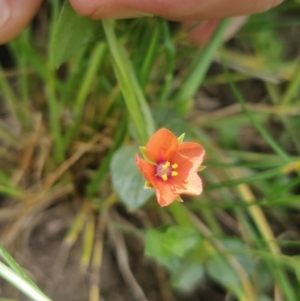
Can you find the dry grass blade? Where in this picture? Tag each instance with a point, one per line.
(65, 248)
(254, 66)
(162, 278)
(248, 287)
(95, 280)
(29, 150)
(262, 224)
(237, 109)
(122, 259)
(29, 210)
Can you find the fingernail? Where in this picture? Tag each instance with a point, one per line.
(4, 12)
(119, 14)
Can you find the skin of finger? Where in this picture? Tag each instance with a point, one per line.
(21, 13)
(176, 10)
(199, 35)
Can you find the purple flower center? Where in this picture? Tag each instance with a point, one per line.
(165, 170)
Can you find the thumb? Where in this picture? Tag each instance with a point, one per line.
(14, 17)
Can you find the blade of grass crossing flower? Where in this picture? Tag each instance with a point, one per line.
(27, 288)
(195, 79)
(135, 101)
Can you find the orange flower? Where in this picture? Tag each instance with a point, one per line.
(170, 167)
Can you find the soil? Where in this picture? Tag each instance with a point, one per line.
(37, 250)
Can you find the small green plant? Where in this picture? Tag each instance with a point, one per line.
(83, 96)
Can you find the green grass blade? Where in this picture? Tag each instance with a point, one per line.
(264, 133)
(134, 98)
(292, 89)
(15, 266)
(195, 79)
(27, 288)
(96, 59)
(170, 54)
(152, 47)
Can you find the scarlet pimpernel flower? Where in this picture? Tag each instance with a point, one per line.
(170, 166)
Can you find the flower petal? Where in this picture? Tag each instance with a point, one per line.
(185, 165)
(194, 152)
(192, 185)
(161, 146)
(164, 194)
(146, 169)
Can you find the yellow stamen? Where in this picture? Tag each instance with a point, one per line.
(174, 173)
(174, 166)
(164, 177)
(166, 165)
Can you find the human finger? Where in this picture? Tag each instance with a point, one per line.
(176, 10)
(14, 16)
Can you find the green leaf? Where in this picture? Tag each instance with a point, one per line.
(164, 243)
(189, 275)
(220, 270)
(171, 247)
(72, 33)
(155, 248)
(180, 240)
(127, 180)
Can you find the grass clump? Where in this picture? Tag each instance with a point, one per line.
(77, 96)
